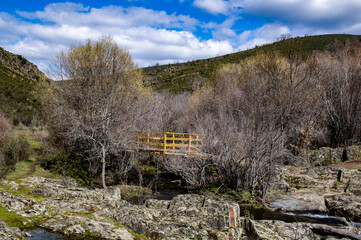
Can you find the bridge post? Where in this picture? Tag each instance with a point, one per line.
(190, 144)
(173, 142)
(165, 143)
(148, 141)
(138, 139)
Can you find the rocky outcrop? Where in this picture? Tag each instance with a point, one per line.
(300, 203)
(326, 156)
(319, 189)
(10, 233)
(54, 188)
(278, 230)
(65, 207)
(191, 216)
(347, 205)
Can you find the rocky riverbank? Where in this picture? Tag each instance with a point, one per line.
(63, 206)
(318, 190)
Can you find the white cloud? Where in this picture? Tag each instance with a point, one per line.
(320, 13)
(158, 37)
(266, 34)
(150, 36)
(212, 6)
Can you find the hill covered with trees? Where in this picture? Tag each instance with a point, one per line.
(20, 80)
(185, 77)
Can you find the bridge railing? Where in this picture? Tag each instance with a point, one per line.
(170, 143)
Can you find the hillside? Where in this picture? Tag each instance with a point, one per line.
(183, 76)
(19, 82)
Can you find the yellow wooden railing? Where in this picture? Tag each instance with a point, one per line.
(170, 143)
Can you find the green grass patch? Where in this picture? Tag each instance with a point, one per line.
(336, 184)
(21, 170)
(34, 144)
(12, 219)
(29, 137)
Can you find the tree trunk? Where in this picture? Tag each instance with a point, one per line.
(331, 230)
(103, 168)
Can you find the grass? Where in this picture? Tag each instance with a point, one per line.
(30, 137)
(11, 218)
(22, 169)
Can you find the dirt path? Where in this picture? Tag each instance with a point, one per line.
(354, 164)
(32, 167)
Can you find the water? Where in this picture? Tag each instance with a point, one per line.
(168, 187)
(42, 234)
(290, 217)
(323, 218)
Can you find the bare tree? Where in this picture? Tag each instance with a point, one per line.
(340, 77)
(97, 105)
(5, 127)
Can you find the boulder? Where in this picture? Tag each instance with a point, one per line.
(347, 205)
(306, 202)
(70, 190)
(15, 203)
(184, 217)
(10, 233)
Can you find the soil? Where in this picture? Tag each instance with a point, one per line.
(32, 167)
(354, 164)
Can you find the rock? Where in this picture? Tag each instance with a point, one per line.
(69, 190)
(326, 156)
(35, 210)
(258, 230)
(157, 204)
(10, 233)
(353, 187)
(13, 185)
(347, 205)
(300, 203)
(74, 229)
(189, 216)
(272, 230)
(14, 203)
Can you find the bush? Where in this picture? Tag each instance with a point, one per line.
(5, 128)
(15, 149)
(67, 163)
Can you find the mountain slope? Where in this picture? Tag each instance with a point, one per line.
(19, 83)
(183, 76)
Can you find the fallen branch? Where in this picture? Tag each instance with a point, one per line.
(332, 230)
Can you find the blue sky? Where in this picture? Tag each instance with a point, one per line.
(168, 31)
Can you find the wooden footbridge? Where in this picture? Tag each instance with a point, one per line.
(170, 143)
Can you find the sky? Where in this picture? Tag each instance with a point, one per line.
(167, 31)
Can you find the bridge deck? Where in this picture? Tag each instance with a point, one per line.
(171, 143)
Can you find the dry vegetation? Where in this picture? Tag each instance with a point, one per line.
(256, 114)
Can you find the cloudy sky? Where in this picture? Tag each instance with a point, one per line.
(168, 31)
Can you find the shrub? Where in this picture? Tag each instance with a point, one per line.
(67, 163)
(15, 149)
(5, 127)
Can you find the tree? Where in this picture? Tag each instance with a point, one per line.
(96, 107)
(340, 72)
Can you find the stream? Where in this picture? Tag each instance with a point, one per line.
(168, 189)
(41, 234)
